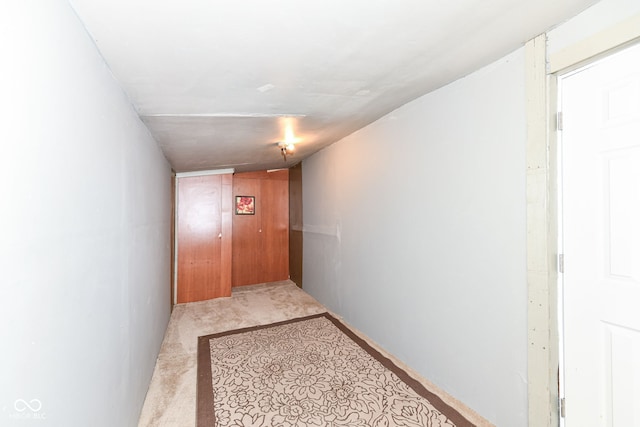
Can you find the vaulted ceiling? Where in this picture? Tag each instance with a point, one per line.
(218, 81)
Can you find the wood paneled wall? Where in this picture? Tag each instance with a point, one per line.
(217, 249)
(261, 241)
(295, 224)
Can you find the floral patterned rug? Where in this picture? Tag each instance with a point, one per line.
(311, 371)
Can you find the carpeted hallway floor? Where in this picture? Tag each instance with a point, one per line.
(171, 399)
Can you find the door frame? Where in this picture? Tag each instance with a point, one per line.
(542, 207)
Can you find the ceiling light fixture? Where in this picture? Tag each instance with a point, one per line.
(286, 148)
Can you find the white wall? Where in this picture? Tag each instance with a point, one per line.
(599, 17)
(84, 229)
(415, 233)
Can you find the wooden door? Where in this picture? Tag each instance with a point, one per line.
(275, 227)
(261, 241)
(204, 237)
(601, 242)
(246, 234)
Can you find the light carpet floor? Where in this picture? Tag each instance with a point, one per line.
(171, 399)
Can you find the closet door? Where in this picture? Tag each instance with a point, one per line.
(275, 227)
(246, 234)
(204, 237)
(261, 241)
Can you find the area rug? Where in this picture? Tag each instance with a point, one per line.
(311, 371)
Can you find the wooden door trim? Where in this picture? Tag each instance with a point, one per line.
(174, 226)
(229, 171)
(542, 217)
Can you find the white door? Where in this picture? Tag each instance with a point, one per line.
(600, 149)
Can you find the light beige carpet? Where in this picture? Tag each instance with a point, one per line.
(171, 399)
(310, 371)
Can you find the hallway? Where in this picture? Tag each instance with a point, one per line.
(171, 400)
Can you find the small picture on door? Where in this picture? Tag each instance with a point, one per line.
(245, 205)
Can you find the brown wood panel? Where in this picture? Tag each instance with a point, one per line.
(254, 175)
(260, 241)
(246, 235)
(227, 229)
(200, 239)
(173, 236)
(275, 229)
(295, 224)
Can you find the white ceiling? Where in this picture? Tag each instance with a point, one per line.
(216, 81)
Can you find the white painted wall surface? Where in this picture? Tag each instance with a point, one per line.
(84, 229)
(415, 233)
(598, 18)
